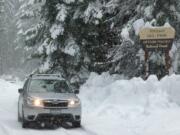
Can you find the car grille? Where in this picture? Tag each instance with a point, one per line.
(46, 117)
(55, 104)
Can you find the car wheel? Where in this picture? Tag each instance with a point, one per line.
(19, 117)
(24, 122)
(76, 124)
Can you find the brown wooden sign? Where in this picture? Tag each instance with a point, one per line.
(157, 38)
(158, 44)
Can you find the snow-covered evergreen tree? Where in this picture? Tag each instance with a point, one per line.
(75, 37)
(8, 34)
(137, 14)
(70, 40)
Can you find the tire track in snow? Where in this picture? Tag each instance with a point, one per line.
(78, 131)
(4, 130)
(87, 131)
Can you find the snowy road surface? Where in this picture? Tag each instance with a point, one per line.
(110, 107)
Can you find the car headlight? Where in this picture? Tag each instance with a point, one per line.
(73, 102)
(35, 102)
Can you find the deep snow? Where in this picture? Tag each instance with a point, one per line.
(111, 106)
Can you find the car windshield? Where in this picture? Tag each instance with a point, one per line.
(57, 86)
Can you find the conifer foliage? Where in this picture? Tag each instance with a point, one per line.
(76, 37)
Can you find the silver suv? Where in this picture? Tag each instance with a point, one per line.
(47, 100)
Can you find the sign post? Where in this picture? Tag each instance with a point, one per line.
(157, 39)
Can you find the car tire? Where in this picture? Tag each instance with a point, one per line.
(19, 117)
(76, 124)
(24, 122)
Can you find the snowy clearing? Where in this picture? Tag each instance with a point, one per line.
(110, 106)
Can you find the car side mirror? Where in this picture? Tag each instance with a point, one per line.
(76, 91)
(20, 90)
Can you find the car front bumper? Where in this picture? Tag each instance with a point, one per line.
(40, 113)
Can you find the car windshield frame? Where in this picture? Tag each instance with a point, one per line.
(45, 89)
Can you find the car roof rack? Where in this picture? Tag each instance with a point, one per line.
(46, 75)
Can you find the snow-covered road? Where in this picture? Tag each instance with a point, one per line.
(110, 107)
(8, 115)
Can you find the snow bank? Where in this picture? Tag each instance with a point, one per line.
(105, 95)
(138, 25)
(111, 105)
(9, 92)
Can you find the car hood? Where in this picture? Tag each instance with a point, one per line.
(59, 96)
